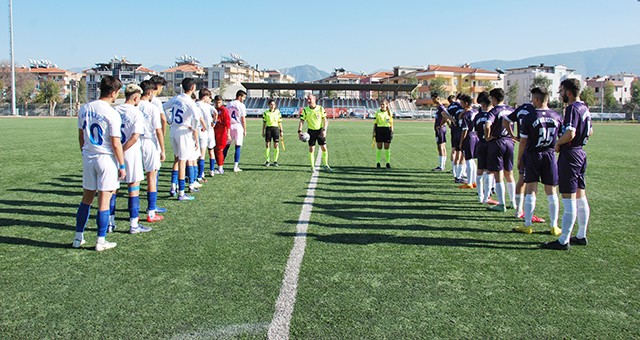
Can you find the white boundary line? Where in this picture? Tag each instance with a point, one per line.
(279, 328)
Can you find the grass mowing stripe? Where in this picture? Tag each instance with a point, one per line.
(279, 328)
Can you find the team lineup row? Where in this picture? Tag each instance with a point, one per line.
(487, 135)
(126, 144)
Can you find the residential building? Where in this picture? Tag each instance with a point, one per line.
(186, 67)
(44, 70)
(457, 79)
(374, 78)
(621, 82)
(121, 68)
(341, 76)
(275, 76)
(524, 77)
(233, 71)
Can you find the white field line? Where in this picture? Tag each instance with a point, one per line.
(279, 328)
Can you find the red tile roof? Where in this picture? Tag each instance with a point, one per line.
(185, 68)
(457, 69)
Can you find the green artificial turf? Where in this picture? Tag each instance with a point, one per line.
(391, 254)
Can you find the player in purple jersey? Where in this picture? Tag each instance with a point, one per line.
(483, 179)
(507, 123)
(500, 150)
(538, 135)
(468, 139)
(572, 164)
(454, 111)
(440, 128)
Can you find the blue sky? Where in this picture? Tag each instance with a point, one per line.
(357, 35)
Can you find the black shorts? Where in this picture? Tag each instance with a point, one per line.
(383, 135)
(316, 136)
(272, 133)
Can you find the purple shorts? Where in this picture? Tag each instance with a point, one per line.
(500, 155)
(441, 135)
(481, 154)
(541, 167)
(469, 145)
(455, 141)
(572, 165)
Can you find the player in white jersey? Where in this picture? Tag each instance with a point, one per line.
(132, 128)
(102, 159)
(160, 83)
(192, 164)
(184, 132)
(152, 142)
(238, 112)
(207, 138)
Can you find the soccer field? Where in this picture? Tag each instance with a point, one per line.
(390, 254)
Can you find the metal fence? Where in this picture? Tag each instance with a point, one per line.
(38, 110)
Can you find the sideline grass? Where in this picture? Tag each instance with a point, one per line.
(391, 254)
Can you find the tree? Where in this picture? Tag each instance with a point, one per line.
(82, 92)
(25, 84)
(413, 80)
(50, 94)
(588, 96)
(512, 94)
(541, 81)
(610, 101)
(634, 104)
(487, 84)
(167, 91)
(438, 85)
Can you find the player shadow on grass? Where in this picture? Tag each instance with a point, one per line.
(368, 239)
(33, 243)
(360, 215)
(407, 227)
(6, 222)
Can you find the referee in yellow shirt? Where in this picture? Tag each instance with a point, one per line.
(316, 119)
(383, 132)
(271, 131)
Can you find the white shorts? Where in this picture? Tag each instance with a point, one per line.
(100, 172)
(237, 134)
(184, 147)
(210, 141)
(133, 164)
(150, 155)
(203, 139)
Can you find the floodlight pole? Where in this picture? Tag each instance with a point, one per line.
(13, 64)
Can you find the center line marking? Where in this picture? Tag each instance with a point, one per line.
(279, 328)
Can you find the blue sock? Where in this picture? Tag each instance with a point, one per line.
(236, 157)
(134, 206)
(192, 174)
(82, 217)
(226, 149)
(152, 198)
(174, 177)
(181, 185)
(212, 164)
(103, 223)
(112, 205)
(200, 168)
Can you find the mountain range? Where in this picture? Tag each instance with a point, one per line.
(603, 61)
(304, 73)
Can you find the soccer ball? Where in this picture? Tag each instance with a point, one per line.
(304, 137)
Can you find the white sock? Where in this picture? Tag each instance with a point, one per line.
(519, 202)
(174, 186)
(112, 219)
(443, 161)
(102, 239)
(500, 192)
(134, 222)
(511, 190)
(568, 219)
(151, 213)
(554, 208)
(453, 166)
(235, 165)
(471, 165)
(456, 170)
(181, 193)
(480, 186)
(79, 235)
(529, 207)
(487, 186)
(492, 179)
(583, 216)
(463, 170)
